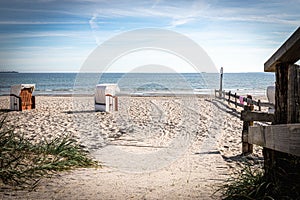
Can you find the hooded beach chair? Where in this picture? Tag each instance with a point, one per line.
(105, 97)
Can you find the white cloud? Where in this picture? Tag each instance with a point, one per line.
(42, 11)
(148, 57)
(82, 35)
(235, 59)
(93, 23)
(212, 24)
(40, 22)
(156, 2)
(182, 21)
(45, 59)
(175, 14)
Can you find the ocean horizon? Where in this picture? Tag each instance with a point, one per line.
(54, 83)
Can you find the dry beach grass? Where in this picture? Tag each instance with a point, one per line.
(152, 148)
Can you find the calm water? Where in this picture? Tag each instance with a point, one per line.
(141, 83)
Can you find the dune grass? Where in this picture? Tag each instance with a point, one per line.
(23, 163)
(251, 184)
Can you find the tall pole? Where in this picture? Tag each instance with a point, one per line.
(221, 82)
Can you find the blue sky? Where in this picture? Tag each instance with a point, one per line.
(59, 35)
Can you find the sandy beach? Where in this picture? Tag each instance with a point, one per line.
(152, 148)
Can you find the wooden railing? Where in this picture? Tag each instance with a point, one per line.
(248, 115)
(233, 98)
(284, 138)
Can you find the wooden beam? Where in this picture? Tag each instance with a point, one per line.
(287, 53)
(281, 95)
(257, 116)
(293, 97)
(267, 104)
(283, 137)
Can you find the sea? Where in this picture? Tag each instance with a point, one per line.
(142, 84)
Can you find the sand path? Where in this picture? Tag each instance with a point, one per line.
(152, 148)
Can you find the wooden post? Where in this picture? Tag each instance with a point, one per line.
(235, 100)
(246, 147)
(245, 134)
(229, 93)
(33, 102)
(20, 104)
(116, 103)
(293, 96)
(221, 81)
(259, 106)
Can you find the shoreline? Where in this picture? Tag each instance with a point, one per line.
(143, 94)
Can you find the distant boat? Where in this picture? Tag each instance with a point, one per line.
(8, 72)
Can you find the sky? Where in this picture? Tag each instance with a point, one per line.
(60, 35)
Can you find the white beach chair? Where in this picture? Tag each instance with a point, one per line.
(105, 97)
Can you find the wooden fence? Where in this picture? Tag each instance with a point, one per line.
(283, 138)
(280, 138)
(233, 98)
(248, 115)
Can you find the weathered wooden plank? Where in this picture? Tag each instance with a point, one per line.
(293, 94)
(287, 53)
(267, 104)
(256, 135)
(284, 137)
(281, 94)
(257, 116)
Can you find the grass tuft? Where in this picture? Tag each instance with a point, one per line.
(23, 163)
(251, 184)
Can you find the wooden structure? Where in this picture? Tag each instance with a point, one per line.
(281, 140)
(288, 53)
(21, 97)
(282, 155)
